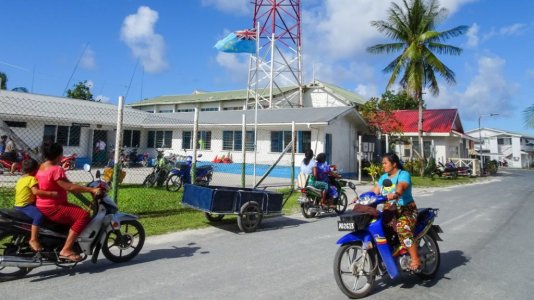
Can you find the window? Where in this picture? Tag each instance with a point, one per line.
(303, 141)
(131, 138)
(64, 135)
(407, 152)
(280, 140)
(15, 124)
(203, 140)
(209, 109)
(504, 141)
(233, 108)
(158, 139)
(232, 140)
(165, 111)
(185, 110)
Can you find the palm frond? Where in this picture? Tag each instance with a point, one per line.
(385, 48)
(430, 80)
(444, 71)
(388, 29)
(528, 114)
(451, 33)
(444, 49)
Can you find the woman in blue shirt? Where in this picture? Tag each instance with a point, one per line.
(399, 194)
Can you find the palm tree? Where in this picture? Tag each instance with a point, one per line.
(529, 116)
(413, 28)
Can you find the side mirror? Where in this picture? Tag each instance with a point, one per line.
(352, 186)
(87, 167)
(97, 175)
(199, 156)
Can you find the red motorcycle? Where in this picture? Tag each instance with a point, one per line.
(69, 162)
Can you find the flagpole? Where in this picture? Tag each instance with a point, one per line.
(256, 98)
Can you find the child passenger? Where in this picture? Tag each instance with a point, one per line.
(25, 192)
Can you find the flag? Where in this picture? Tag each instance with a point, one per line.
(243, 41)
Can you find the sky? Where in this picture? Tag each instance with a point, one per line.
(144, 49)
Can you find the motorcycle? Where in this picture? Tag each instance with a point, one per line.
(118, 235)
(159, 173)
(446, 171)
(69, 162)
(6, 164)
(368, 251)
(182, 174)
(310, 197)
(143, 159)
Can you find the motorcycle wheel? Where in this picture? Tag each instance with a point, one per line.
(13, 244)
(428, 251)
(305, 209)
(150, 180)
(214, 217)
(354, 271)
(341, 204)
(174, 183)
(127, 246)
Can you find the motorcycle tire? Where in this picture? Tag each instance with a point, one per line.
(305, 209)
(428, 251)
(341, 204)
(173, 183)
(13, 244)
(125, 242)
(342, 276)
(150, 180)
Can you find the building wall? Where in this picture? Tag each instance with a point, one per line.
(320, 98)
(344, 144)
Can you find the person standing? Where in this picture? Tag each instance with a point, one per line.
(10, 154)
(100, 151)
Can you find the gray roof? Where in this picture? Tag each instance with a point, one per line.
(22, 106)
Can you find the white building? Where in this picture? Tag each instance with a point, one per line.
(515, 148)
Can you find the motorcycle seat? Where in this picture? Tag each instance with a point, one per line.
(314, 189)
(21, 217)
(421, 214)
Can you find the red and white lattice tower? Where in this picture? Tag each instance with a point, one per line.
(275, 73)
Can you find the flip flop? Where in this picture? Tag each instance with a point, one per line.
(73, 257)
(416, 269)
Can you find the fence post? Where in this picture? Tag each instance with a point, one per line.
(360, 153)
(118, 143)
(293, 142)
(195, 139)
(243, 148)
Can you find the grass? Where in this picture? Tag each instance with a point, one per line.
(439, 182)
(160, 211)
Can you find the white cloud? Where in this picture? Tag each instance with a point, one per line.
(102, 98)
(488, 92)
(240, 7)
(88, 60)
(472, 36)
(514, 29)
(367, 90)
(149, 47)
(235, 64)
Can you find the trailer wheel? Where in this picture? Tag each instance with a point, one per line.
(249, 217)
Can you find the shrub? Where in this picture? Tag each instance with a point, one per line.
(430, 167)
(491, 167)
(374, 171)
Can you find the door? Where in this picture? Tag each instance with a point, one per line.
(99, 156)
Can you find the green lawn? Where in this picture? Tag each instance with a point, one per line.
(439, 182)
(160, 211)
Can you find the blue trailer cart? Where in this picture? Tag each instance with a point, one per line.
(250, 205)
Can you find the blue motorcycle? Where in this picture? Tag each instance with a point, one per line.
(182, 174)
(372, 249)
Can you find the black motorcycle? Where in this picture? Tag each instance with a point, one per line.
(310, 198)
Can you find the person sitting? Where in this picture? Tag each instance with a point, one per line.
(25, 191)
(10, 154)
(307, 164)
(321, 171)
(399, 195)
(51, 177)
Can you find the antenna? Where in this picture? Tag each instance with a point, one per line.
(131, 79)
(75, 67)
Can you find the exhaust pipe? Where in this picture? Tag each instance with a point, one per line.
(20, 262)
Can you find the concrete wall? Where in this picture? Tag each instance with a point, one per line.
(320, 98)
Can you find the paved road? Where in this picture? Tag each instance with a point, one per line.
(486, 254)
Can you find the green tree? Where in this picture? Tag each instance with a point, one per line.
(20, 89)
(529, 116)
(80, 91)
(413, 28)
(398, 101)
(3, 81)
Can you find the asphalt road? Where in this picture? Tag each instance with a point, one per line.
(487, 253)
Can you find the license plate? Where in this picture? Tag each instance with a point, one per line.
(345, 226)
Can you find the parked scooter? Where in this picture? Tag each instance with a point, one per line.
(181, 174)
(310, 198)
(367, 251)
(120, 237)
(69, 162)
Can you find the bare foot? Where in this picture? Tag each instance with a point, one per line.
(36, 246)
(72, 256)
(415, 265)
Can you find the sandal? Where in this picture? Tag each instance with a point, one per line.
(73, 257)
(415, 267)
(36, 246)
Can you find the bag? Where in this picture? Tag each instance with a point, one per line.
(366, 210)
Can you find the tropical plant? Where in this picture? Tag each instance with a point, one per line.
(80, 91)
(374, 170)
(413, 28)
(3, 81)
(529, 116)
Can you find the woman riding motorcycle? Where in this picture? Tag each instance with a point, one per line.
(399, 195)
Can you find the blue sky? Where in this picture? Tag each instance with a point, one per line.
(173, 43)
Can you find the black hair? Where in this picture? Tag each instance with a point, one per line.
(394, 159)
(51, 150)
(29, 166)
(308, 155)
(321, 157)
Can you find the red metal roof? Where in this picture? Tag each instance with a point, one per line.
(434, 120)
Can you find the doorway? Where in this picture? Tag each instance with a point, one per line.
(100, 156)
